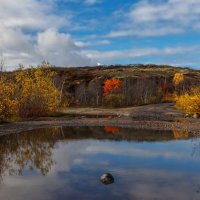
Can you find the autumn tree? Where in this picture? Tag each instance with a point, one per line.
(8, 102)
(37, 94)
(112, 93)
(178, 81)
(112, 86)
(178, 78)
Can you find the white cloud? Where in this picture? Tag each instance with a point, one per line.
(157, 18)
(30, 33)
(93, 43)
(136, 53)
(92, 2)
(59, 48)
(13, 38)
(29, 14)
(146, 32)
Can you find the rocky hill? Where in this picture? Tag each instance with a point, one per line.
(141, 84)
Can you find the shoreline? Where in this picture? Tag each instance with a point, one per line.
(149, 117)
(17, 127)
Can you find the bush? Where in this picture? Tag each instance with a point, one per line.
(112, 86)
(190, 101)
(37, 94)
(31, 92)
(114, 100)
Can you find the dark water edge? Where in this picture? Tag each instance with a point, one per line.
(67, 162)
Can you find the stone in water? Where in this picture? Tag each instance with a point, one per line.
(107, 178)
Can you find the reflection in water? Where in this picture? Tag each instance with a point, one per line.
(33, 151)
(196, 149)
(180, 135)
(145, 164)
(111, 129)
(107, 179)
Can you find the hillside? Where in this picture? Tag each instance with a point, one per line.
(141, 84)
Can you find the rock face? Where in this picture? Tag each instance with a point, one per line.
(107, 178)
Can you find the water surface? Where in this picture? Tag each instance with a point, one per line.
(66, 163)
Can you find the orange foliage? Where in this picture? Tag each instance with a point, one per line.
(112, 86)
(180, 135)
(111, 129)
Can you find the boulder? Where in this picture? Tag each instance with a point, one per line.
(107, 178)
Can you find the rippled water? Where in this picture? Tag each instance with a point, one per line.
(66, 163)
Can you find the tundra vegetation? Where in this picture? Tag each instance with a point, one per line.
(41, 91)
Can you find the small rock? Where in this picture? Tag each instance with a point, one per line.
(195, 116)
(107, 178)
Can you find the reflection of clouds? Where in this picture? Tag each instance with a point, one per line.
(78, 165)
(68, 154)
(139, 150)
(162, 184)
(144, 184)
(26, 188)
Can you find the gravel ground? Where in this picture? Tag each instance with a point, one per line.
(154, 117)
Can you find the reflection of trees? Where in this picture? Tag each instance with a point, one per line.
(34, 149)
(111, 129)
(180, 135)
(27, 150)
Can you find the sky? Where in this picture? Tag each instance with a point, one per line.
(72, 33)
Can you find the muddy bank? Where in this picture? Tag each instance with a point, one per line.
(154, 117)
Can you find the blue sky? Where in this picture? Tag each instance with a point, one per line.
(86, 32)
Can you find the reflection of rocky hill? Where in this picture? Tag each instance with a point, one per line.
(117, 133)
(34, 149)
